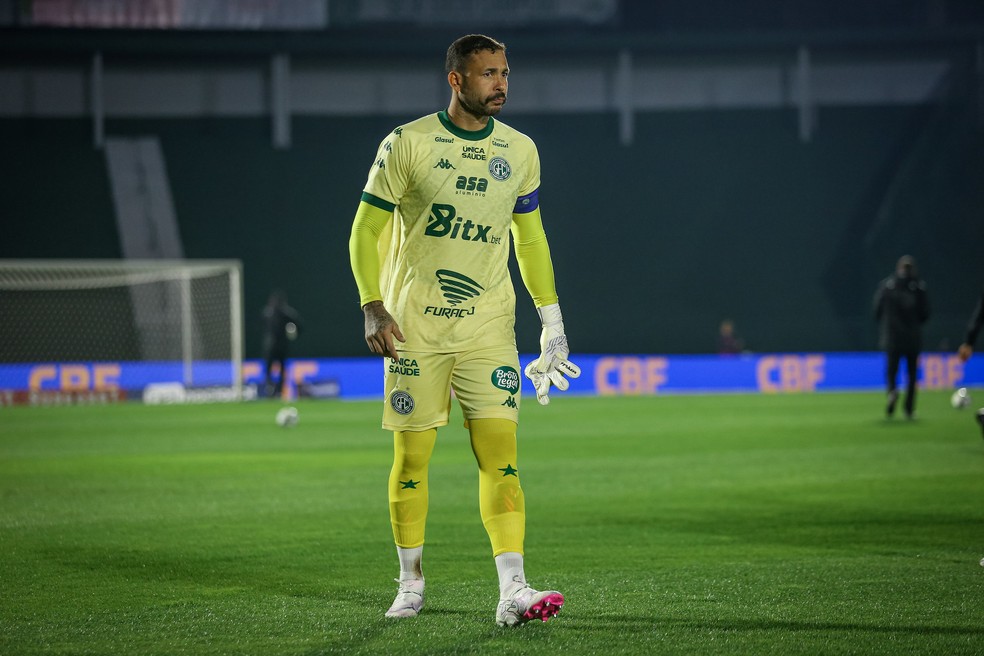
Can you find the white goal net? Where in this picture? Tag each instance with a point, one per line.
(182, 317)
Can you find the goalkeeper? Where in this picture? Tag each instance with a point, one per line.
(429, 250)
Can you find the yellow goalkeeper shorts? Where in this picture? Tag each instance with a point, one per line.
(418, 388)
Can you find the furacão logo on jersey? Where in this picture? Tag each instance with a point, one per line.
(445, 222)
(456, 289)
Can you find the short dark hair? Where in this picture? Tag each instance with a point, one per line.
(466, 46)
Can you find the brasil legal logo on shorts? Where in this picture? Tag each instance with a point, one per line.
(499, 168)
(402, 402)
(506, 378)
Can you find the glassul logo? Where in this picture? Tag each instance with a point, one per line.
(506, 378)
(499, 168)
(445, 222)
(456, 289)
(443, 164)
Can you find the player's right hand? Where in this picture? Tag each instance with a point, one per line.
(381, 329)
(965, 351)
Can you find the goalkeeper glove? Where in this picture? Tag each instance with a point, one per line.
(552, 365)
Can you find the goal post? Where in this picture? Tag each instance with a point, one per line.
(174, 321)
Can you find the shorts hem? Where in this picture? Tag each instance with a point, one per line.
(415, 429)
(511, 415)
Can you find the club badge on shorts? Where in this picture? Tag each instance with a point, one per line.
(402, 402)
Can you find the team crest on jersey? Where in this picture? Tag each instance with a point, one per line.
(499, 168)
(402, 402)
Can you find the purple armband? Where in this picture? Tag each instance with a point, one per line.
(527, 203)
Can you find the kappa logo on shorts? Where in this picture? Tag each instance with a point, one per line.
(506, 378)
(402, 402)
(510, 402)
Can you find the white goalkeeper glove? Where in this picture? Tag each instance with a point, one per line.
(552, 365)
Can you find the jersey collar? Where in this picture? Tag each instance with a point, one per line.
(470, 135)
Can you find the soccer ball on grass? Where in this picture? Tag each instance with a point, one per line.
(287, 417)
(960, 398)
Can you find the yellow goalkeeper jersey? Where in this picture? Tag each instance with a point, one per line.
(444, 260)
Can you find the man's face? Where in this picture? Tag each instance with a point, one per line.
(483, 87)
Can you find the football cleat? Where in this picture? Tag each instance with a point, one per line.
(409, 599)
(527, 604)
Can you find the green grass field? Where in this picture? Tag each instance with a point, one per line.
(796, 524)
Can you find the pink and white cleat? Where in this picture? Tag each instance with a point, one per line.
(527, 604)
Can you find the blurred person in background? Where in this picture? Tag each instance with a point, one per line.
(443, 196)
(281, 325)
(966, 349)
(901, 308)
(728, 342)
(973, 328)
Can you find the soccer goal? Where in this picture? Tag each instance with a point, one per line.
(168, 321)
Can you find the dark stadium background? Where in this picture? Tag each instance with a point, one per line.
(708, 213)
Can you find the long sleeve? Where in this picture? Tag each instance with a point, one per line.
(533, 256)
(368, 225)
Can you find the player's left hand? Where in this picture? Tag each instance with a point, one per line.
(553, 363)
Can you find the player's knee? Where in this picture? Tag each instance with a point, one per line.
(412, 449)
(493, 441)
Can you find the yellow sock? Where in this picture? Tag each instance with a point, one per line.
(500, 496)
(408, 485)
